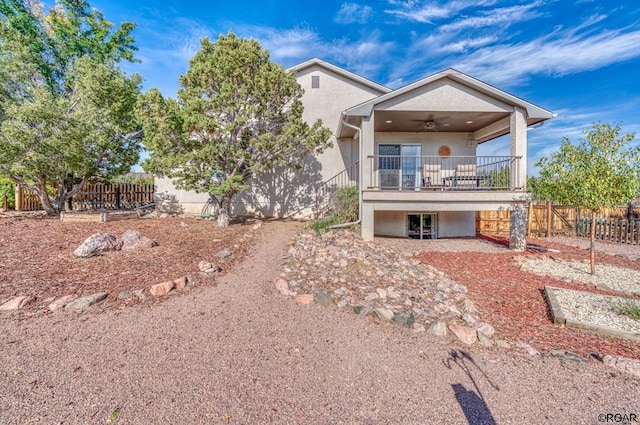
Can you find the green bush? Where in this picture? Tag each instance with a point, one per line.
(344, 207)
(8, 189)
(345, 204)
(325, 224)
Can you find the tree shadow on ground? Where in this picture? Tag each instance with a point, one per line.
(472, 401)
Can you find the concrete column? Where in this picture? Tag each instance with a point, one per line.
(518, 131)
(366, 225)
(518, 228)
(368, 149)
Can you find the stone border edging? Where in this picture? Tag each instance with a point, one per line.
(560, 319)
(556, 310)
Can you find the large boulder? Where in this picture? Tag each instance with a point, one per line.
(96, 244)
(132, 239)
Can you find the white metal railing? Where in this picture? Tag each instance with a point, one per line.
(449, 173)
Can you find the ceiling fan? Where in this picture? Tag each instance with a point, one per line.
(430, 124)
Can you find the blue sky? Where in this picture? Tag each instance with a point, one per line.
(577, 58)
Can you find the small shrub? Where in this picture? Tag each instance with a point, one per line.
(325, 224)
(629, 308)
(345, 204)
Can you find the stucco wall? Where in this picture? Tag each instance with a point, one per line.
(455, 224)
(431, 142)
(451, 224)
(334, 94)
(444, 95)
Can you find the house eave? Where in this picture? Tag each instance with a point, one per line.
(534, 112)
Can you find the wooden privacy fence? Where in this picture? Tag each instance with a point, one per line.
(546, 219)
(618, 230)
(557, 219)
(94, 196)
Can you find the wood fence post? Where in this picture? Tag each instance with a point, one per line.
(5, 202)
(18, 198)
(529, 218)
(548, 231)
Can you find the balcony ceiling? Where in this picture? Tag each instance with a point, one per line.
(430, 121)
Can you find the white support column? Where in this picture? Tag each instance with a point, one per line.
(518, 131)
(367, 225)
(368, 149)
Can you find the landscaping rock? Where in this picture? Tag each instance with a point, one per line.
(132, 239)
(418, 327)
(438, 329)
(283, 287)
(139, 293)
(181, 282)
(383, 314)
(124, 295)
(484, 340)
(82, 303)
(96, 244)
(209, 267)
(469, 307)
(223, 254)
(16, 303)
(161, 289)
(61, 302)
(367, 277)
(404, 318)
(323, 299)
(464, 333)
(485, 328)
(566, 355)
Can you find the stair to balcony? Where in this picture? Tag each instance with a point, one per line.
(325, 193)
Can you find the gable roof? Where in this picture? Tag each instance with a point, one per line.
(534, 113)
(342, 72)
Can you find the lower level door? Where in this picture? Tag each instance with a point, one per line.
(422, 226)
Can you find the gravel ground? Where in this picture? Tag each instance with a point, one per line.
(596, 309)
(610, 248)
(240, 353)
(618, 279)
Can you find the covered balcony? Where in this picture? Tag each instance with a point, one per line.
(452, 173)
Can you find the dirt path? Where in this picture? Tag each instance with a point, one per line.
(240, 353)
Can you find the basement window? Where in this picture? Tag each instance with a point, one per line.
(315, 81)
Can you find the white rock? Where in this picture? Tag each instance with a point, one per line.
(384, 314)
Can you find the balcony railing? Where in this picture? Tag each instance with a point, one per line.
(451, 173)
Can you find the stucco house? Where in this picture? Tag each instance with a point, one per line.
(411, 151)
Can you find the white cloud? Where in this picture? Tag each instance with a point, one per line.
(500, 16)
(466, 44)
(351, 13)
(427, 12)
(509, 64)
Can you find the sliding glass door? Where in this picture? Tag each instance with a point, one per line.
(399, 166)
(422, 226)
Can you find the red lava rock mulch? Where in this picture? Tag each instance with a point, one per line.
(36, 255)
(513, 300)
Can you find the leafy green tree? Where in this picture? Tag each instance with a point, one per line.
(7, 191)
(237, 113)
(601, 171)
(66, 110)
